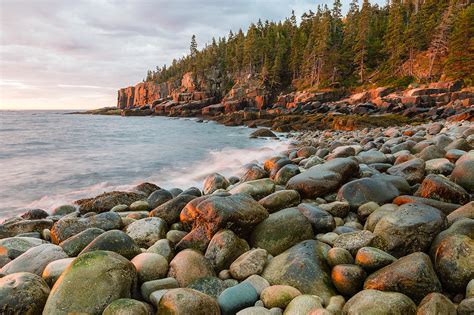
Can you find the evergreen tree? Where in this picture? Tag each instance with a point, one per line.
(361, 44)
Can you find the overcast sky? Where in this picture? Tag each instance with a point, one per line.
(76, 53)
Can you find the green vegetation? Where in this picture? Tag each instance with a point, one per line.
(370, 45)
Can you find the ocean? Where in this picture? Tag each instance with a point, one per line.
(49, 158)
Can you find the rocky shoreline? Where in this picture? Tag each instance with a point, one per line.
(374, 220)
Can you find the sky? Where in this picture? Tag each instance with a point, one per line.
(76, 54)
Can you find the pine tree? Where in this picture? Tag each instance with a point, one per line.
(460, 62)
(362, 41)
(193, 47)
(394, 45)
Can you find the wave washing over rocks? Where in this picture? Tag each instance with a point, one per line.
(371, 221)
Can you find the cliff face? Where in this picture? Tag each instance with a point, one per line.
(145, 93)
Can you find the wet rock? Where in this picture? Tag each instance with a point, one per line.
(69, 226)
(454, 261)
(445, 207)
(249, 263)
(337, 208)
(107, 201)
(302, 266)
(54, 270)
(145, 232)
(278, 296)
(436, 303)
(463, 172)
(378, 302)
(187, 301)
(170, 210)
(281, 230)
(371, 258)
(262, 133)
(409, 229)
(321, 221)
(22, 293)
(354, 241)
(431, 152)
(339, 256)
(412, 170)
(442, 189)
(34, 214)
(15, 246)
(139, 205)
(237, 298)
(114, 278)
(361, 191)
(34, 260)
(323, 179)
(150, 266)
(259, 283)
(439, 166)
(19, 226)
(412, 275)
(192, 191)
(159, 197)
(348, 279)
(127, 306)
(211, 286)
(466, 307)
(280, 199)
(253, 172)
(214, 182)
(466, 211)
(149, 287)
(145, 188)
(256, 188)
(285, 173)
(114, 241)
(239, 213)
(303, 304)
(306, 151)
(63, 210)
(75, 244)
(163, 248)
(189, 265)
(224, 248)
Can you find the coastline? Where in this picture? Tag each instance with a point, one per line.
(369, 204)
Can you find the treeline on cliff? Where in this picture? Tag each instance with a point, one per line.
(396, 44)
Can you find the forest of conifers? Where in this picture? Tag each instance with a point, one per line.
(402, 42)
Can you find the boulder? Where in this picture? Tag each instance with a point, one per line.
(339, 256)
(54, 270)
(214, 182)
(278, 296)
(248, 264)
(262, 133)
(303, 266)
(321, 220)
(224, 248)
(440, 188)
(463, 172)
(281, 230)
(163, 248)
(170, 210)
(412, 275)
(410, 229)
(22, 293)
(34, 260)
(436, 303)
(239, 213)
(378, 302)
(253, 172)
(149, 287)
(280, 200)
(466, 211)
(113, 275)
(324, 179)
(256, 188)
(348, 279)
(159, 197)
(304, 304)
(114, 241)
(285, 173)
(236, 298)
(211, 286)
(127, 306)
(371, 258)
(412, 170)
(353, 241)
(107, 201)
(361, 191)
(150, 266)
(75, 244)
(454, 262)
(72, 225)
(145, 232)
(15, 246)
(187, 301)
(189, 265)
(19, 226)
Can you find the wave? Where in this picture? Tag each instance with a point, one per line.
(227, 161)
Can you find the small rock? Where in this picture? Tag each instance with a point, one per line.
(371, 258)
(348, 279)
(187, 301)
(378, 302)
(150, 266)
(189, 265)
(436, 303)
(237, 298)
(149, 287)
(278, 296)
(339, 256)
(115, 241)
(126, 306)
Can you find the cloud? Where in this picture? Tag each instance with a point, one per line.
(53, 51)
